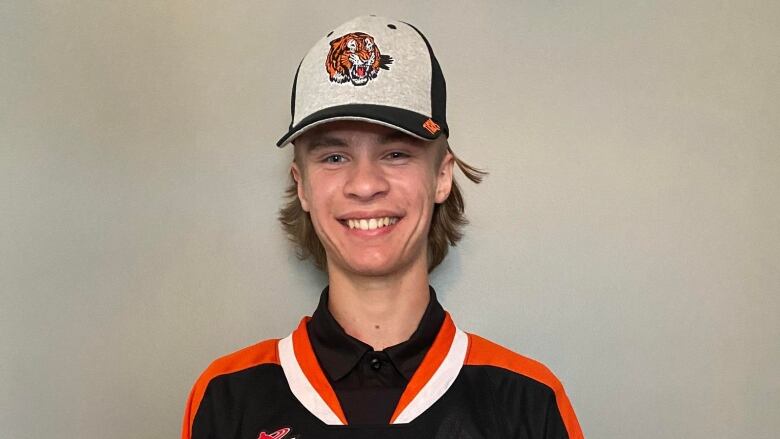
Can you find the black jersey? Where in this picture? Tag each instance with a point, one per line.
(465, 388)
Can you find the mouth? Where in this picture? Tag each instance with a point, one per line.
(359, 74)
(370, 223)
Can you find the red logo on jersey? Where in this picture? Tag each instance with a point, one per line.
(278, 434)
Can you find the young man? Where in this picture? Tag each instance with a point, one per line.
(374, 203)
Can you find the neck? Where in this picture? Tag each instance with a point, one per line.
(380, 311)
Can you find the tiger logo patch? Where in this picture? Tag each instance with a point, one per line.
(355, 58)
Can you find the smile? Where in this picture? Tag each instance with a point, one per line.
(371, 223)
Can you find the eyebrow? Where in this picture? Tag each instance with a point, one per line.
(396, 136)
(325, 140)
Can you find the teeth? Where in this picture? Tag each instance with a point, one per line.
(371, 223)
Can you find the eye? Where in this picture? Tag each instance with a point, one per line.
(397, 155)
(352, 45)
(369, 44)
(334, 159)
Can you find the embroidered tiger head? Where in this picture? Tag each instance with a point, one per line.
(355, 58)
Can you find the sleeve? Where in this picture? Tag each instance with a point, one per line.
(199, 422)
(189, 412)
(560, 420)
(557, 426)
(185, 425)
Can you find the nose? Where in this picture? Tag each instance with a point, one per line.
(366, 181)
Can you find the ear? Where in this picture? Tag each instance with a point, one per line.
(298, 177)
(444, 178)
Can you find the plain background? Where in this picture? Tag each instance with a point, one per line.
(628, 235)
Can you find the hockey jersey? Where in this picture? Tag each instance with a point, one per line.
(465, 388)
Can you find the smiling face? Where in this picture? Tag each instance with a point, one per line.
(370, 191)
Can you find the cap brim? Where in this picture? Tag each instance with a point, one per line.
(410, 122)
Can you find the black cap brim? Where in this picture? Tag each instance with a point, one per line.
(410, 122)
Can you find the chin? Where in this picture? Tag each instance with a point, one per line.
(372, 269)
(372, 265)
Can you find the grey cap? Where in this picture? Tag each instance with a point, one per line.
(372, 69)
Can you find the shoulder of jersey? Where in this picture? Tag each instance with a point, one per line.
(484, 352)
(264, 352)
(257, 354)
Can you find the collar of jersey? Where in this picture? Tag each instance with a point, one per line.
(432, 379)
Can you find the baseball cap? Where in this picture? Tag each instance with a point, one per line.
(371, 69)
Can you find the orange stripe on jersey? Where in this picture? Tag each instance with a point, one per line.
(431, 362)
(261, 353)
(485, 353)
(311, 368)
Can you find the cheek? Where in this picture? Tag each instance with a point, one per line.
(320, 194)
(417, 188)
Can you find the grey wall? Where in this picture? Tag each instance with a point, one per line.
(628, 235)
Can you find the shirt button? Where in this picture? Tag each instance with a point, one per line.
(375, 363)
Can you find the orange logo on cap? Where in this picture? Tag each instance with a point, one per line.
(431, 126)
(355, 58)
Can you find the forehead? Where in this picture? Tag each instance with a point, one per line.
(347, 133)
